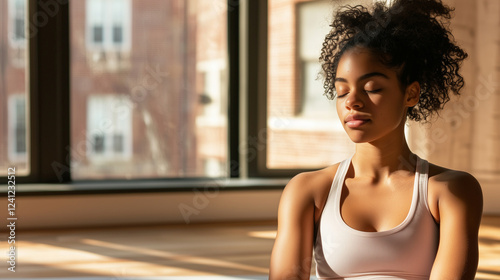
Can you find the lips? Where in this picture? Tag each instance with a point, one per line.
(356, 120)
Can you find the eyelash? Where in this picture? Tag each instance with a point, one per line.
(367, 91)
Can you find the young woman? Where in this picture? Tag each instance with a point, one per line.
(384, 213)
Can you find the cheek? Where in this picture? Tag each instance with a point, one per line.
(392, 108)
(339, 107)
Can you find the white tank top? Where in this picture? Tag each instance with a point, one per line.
(404, 252)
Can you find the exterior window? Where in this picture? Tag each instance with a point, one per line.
(213, 116)
(312, 27)
(17, 15)
(16, 32)
(14, 101)
(97, 37)
(118, 143)
(109, 34)
(109, 24)
(109, 123)
(98, 145)
(17, 128)
(117, 34)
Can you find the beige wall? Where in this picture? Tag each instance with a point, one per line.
(71, 211)
(467, 134)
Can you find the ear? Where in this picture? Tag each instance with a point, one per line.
(412, 94)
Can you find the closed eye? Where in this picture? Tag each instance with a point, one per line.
(373, 91)
(342, 95)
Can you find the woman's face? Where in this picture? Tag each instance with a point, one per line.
(370, 101)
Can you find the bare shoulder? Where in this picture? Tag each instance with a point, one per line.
(448, 187)
(456, 202)
(310, 188)
(294, 241)
(311, 181)
(455, 182)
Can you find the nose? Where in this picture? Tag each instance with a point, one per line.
(353, 100)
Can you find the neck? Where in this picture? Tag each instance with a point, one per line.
(380, 158)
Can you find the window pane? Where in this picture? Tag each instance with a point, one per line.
(303, 127)
(148, 88)
(14, 125)
(98, 36)
(117, 34)
(20, 125)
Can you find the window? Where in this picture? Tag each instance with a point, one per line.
(312, 26)
(117, 34)
(17, 128)
(108, 24)
(109, 34)
(97, 34)
(17, 17)
(14, 119)
(164, 65)
(156, 105)
(16, 32)
(109, 125)
(303, 127)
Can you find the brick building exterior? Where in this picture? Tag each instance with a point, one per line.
(153, 79)
(147, 88)
(13, 60)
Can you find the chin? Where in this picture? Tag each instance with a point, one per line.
(359, 141)
(358, 137)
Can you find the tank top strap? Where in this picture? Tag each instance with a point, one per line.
(423, 173)
(406, 251)
(338, 180)
(421, 183)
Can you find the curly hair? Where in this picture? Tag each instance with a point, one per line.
(412, 36)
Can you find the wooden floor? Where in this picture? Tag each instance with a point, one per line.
(174, 250)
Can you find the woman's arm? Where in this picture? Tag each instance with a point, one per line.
(460, 206)
(292, 251)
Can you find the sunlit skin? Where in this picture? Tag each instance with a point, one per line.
(370, 97)
(372, 107)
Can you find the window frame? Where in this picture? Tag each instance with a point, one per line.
(49, 141)
(49, 128)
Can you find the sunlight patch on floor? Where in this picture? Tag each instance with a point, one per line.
(269, 234)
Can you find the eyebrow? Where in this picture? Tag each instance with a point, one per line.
(363, 77)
